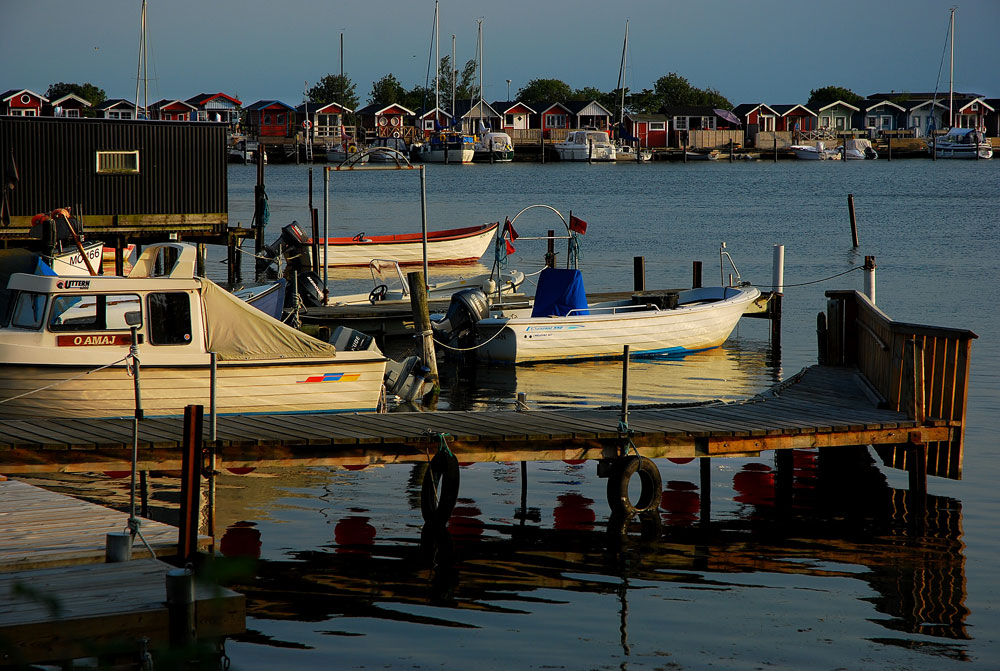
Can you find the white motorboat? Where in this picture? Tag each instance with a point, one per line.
(389, 284)
(494, 146)
(67, 350)
(859, 150)
(963, 143)
(339, 153)
(560, 326)
(816, 152)
(69, 261)
(626, 152)
(445, 147)
(387, 150)
(586, 145)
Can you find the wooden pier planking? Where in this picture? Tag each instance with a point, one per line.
(103, 608)
(822, 406)
(39, 528)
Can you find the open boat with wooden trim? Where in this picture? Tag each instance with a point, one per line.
(67, 350)
(448, 246)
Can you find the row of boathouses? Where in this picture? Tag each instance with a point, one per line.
(276, 123)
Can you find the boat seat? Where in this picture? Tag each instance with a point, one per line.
(560, 290)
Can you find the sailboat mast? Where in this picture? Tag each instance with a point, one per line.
(480, 54)
(951, 74)
(141, 71)
(621, 77)
(437, 63)
(454, 77)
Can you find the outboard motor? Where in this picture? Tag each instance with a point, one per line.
(297, 253)
(404, 379)
(466, 309)
(310, 289)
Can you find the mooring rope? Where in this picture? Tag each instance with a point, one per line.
(802, 284)
(468, 349)
(59, 382)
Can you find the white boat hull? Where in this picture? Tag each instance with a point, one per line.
(968, 151)
(604, 332)
(344, 384)
(449, 156)
(578, 153)
(460, 250)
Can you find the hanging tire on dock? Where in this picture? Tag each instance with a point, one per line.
(439, 491)
(618, 485)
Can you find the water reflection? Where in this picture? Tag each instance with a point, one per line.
(736, 371)
(802, 523)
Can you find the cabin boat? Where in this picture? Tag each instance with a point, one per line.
(445, 147)
(561, 326)
(859, 149)
(494, 146)
(817, 152)
(68, 345)
(963, 143)
(586, 145)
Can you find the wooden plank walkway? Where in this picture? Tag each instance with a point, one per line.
(59, 614)
(821, 407)
(42, 529)
(60, 601)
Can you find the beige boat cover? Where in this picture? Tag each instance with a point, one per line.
(238, 331)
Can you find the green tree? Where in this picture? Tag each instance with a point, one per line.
(466, 85)
(335, 89)
(92, 94)
(645, 101)
(545, 90)
(387, 91)
(829, 94)
(676, 91)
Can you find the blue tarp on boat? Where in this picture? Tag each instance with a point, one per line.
(559, 291)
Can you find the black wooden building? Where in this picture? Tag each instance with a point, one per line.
(126, 181)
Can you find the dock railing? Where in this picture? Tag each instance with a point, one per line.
(922, 371)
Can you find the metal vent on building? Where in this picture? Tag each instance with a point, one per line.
(118, 162)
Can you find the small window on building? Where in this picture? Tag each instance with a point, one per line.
(118, 162)
(72, 113)
(657, 125)
(841, 123)
(267, 120)
(169, 318)
(680, 123)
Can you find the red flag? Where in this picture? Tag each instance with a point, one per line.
(510, 229)
(510, 247)
(577, 224)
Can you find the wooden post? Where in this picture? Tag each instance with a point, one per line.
(916, 468)
(315, 238)
(190, 508)
(774, 308)
(730, 150)
(639, 273)
(491, 151)
(684, 148)
(888, 141)
(854, 220)
(821, 342)
(705, 489)
(775, 148)
(258, 212)
(119, 255)
(422, 323)
(181, 607)
(200, 259)
(784, 465)
(550, 253)
(933, 146)
(590, 150)
(696, 274)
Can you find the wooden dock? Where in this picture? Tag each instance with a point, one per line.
(822, 407)
(60, 601)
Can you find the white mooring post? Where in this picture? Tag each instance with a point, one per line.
(778, 269)
(870, 278)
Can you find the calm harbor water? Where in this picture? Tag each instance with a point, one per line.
(852, 574)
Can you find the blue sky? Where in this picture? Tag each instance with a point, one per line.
(761, 51)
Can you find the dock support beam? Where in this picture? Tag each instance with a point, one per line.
(187, 535)
(705, 486)
(422, 324)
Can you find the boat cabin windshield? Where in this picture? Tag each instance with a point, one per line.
(97, 312)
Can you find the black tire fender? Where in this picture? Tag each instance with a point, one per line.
(618, 485)
(439, 491)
